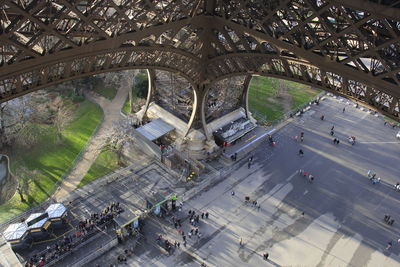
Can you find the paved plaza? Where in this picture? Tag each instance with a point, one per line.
(335, 221)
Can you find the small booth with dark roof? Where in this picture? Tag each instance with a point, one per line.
(17, 235)
(161, 204)
(127, 222)
(56, 214)
(37, 224)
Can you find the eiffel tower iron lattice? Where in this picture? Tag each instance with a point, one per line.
(349, 48)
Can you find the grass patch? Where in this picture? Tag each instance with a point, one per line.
(263, 100)
(260, 92)
(301, 94)
(126, 107)
(52, 158)
(106, 162)
(106, 91)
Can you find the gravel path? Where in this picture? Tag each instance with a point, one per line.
(112, 113)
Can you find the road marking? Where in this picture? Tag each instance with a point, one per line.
(379, 142)
(291, 176)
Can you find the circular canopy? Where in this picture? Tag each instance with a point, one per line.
(56, 210)
(15, 231)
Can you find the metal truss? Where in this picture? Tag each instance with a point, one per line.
(350, 48)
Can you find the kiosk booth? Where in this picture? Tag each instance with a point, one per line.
(17, 235)
(37, 224)
(161, 205)
(128, 223)
(56, 214)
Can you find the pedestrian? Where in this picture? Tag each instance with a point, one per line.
(190, 212)
(344, 109)
(301, 136)
(266, 255)
(176, 225)
(302, 214)
(190, 234)
(232, 194)
(337, 141)
(249, 165)
(332, 133)
(235, 155)
(184, 238)
(207, 215)
(322, 117)
(301, 153)
(196, 231)
(333, 127)
(179, 245)
(390, 244)
(251, 159)
(387, 218)
(202, 214)
(334, 141)
(241, 242)
(311, 178)
(259, 207)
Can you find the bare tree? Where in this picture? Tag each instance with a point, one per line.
(25, 177)
(62, 117)
(118, 138)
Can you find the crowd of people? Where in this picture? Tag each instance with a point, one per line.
(84, 229)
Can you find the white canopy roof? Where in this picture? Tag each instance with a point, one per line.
(37, 224)
(56, 210)
(155, 129)
(15, 231)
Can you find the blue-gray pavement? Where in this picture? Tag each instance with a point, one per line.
(335, 221)
(343, 216)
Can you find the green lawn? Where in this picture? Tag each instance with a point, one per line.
(301, 94)
(106, 91)
(262, 88)
(51, 158)
(263, 102)
(105, 162)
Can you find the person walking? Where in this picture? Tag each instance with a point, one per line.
(248, 165)
(241, 242)
(207, 215)
(344, 109)
(301, 136)
(322, 117)
(333, 127)
(232, 194)
(265, 256)
(389, 245)
(301, 153)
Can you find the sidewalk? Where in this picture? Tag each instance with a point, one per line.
(112, 113)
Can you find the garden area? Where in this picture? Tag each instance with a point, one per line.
(45, 155)
(271, 98)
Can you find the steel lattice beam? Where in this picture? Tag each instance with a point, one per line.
(351, 48)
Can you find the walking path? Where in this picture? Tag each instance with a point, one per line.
(112, 113)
